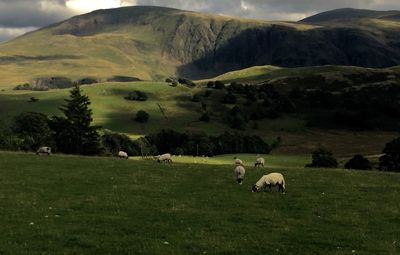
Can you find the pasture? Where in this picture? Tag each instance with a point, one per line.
(81, 205)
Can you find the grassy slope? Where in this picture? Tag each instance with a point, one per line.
(112, 111)
(75, 205)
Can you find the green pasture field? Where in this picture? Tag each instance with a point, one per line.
(81, 205)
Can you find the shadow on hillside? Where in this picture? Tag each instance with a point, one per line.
(289, 47)
(20, 58)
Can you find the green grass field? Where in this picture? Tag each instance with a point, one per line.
(77, 205)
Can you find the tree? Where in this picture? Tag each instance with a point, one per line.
(323, 158)
(142, 116)
(73, 133)
(358, 162)
(33, 130)
(205, 117)
(237, 119)
(390, 161)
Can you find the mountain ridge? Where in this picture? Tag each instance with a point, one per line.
(156, 42)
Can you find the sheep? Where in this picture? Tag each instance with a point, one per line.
(238, 161)
(239, 174)
(123, 154)
(167, 157)
(43, 150)
(269, 180)
(259, 162)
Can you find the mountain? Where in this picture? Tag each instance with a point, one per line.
(155, 42)
(349, 13)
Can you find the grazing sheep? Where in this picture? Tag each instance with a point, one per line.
(238, 161)
(123, 154)
(259, 162)
(273, 179)
(239, 174)
(167, 157)
(43, 150)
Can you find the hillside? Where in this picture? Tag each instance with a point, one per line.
(154, 43)
(77, 205)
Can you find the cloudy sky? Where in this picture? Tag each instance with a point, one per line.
(20, 16)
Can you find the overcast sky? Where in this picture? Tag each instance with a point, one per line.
(20, 16)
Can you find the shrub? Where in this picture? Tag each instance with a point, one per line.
(358, 162)
(229, 98)
(142, 116)
(114, 142)
(390, 161)
(86, 81)
(121, 78)
(323, 158)
(33, 130)
(219, 85)
(136, 96)
(205, 117)
(237, 119)
(196, 98)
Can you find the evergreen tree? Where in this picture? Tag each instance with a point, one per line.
(73, 133)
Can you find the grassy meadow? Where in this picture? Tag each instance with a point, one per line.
(79, 205)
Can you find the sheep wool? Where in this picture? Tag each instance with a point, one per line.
(238, 162)
(239, 174)
(167, 157)
(273, 179)
(259, 162)
(44, 150)
(123, 154)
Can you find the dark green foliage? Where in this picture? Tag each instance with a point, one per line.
(205, 117)
(43, 84)
(229, 98)
(187, 82)
(202, 144)
(358, 162)
(219, 85)
(237, 119)
(322, 158)
(33, 100)
(114, 142)
(391, 160)
(353, 119)
(86, 81)
(210, 84)
(137, 96)
(142, 116)
(322, 98)
(73, 133)
(207, 93)
(196, 98)
(120, 78)
(33, 130)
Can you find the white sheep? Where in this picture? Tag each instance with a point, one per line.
(238, 161)
(273, 179)
(259, 162)
(123, 154)
(167, 157)
(44, 150)
(239, 174)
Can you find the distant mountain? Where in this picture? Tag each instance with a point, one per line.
(155, 42)
(349, 13)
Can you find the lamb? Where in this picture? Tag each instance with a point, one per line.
(167, 157)
(123, 154)
(273, 179)
(238, 161)
(259, 162)
(43, 150)
(239, 174)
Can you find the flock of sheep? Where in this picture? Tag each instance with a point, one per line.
(269, 180)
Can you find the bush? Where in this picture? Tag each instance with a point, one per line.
(136, 96)
(358, 162)
(120, 78)
(86, 81)
(205, 117)
(142, 116)
(323, 158)
(114, 142)
(33, 130)
(229, 98)
(219, 85)
(237, 119)
(390, 161)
